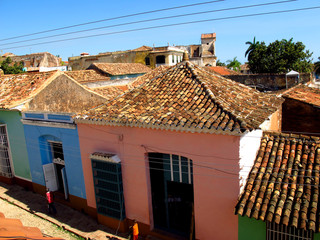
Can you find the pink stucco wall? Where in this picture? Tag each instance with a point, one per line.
(215, 192)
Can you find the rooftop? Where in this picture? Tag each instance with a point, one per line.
(143, 48)
(120, 68)
(148, 76)
(87, 76)
(208, 35)
(304, 94)
(223, 70)
(187, 98)
(16, 88)
(110, 92)
(283, 185)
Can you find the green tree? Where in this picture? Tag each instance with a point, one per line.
(9, 68)
(279, 57)
(234, 64)
(317, 66)
(222, 64)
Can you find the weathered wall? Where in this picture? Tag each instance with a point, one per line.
(44, 59)
(215, 192)
(70, 98)
(17, 143)
(300, 117)
(274, 122)
(269, 82)
(81, 63)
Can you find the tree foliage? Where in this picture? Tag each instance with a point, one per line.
(278, 57)
(317, 66)
(222, 64)
(9, 68)
(234, 64)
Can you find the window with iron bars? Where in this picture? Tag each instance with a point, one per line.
(5, 166)
(283, 232)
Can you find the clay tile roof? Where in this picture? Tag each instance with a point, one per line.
(223, 70)
(120, 68)
(304, 94)
(110, 92)
(208, 35)
(283, 185)
(13, 229)
(87, 76)
(142, 48)
(16, 88)
(188, 98)
(148, 76)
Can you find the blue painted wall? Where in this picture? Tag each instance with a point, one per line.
(15, 132)
(39, 154)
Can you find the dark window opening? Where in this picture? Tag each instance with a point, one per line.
(57, 150)
(161, 59)
(147, 61)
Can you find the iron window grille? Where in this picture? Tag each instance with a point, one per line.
(5, 165)
(108, 187)
(283, 232)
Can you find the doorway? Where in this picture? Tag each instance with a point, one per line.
(55, 172)
(172, 193)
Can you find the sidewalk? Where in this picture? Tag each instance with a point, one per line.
(66, 218)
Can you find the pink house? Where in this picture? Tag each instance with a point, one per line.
(174, 152)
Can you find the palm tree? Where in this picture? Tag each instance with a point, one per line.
(234, 64)
(252, 46)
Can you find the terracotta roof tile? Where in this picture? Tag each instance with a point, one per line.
(120, 68)
(87, 76)
(110, 92)
(16, 88)
(222, 70)
(148, 76)
(14, 229)
(188, 98)
(305, 94)
(143, 48)
(283, 185)
(208, 35)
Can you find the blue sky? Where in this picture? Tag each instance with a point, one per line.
(33, 16)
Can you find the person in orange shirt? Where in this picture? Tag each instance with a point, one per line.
(135, 230)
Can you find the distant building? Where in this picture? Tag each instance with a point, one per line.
(43, 59)
(202, 55)
(244, 69)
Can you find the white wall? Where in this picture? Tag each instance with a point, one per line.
(249, 146)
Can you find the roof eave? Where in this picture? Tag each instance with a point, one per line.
(159, 127)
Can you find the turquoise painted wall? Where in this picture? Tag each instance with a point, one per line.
(250, 228)
(115, 77)
(39, 154)
(17, 142)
